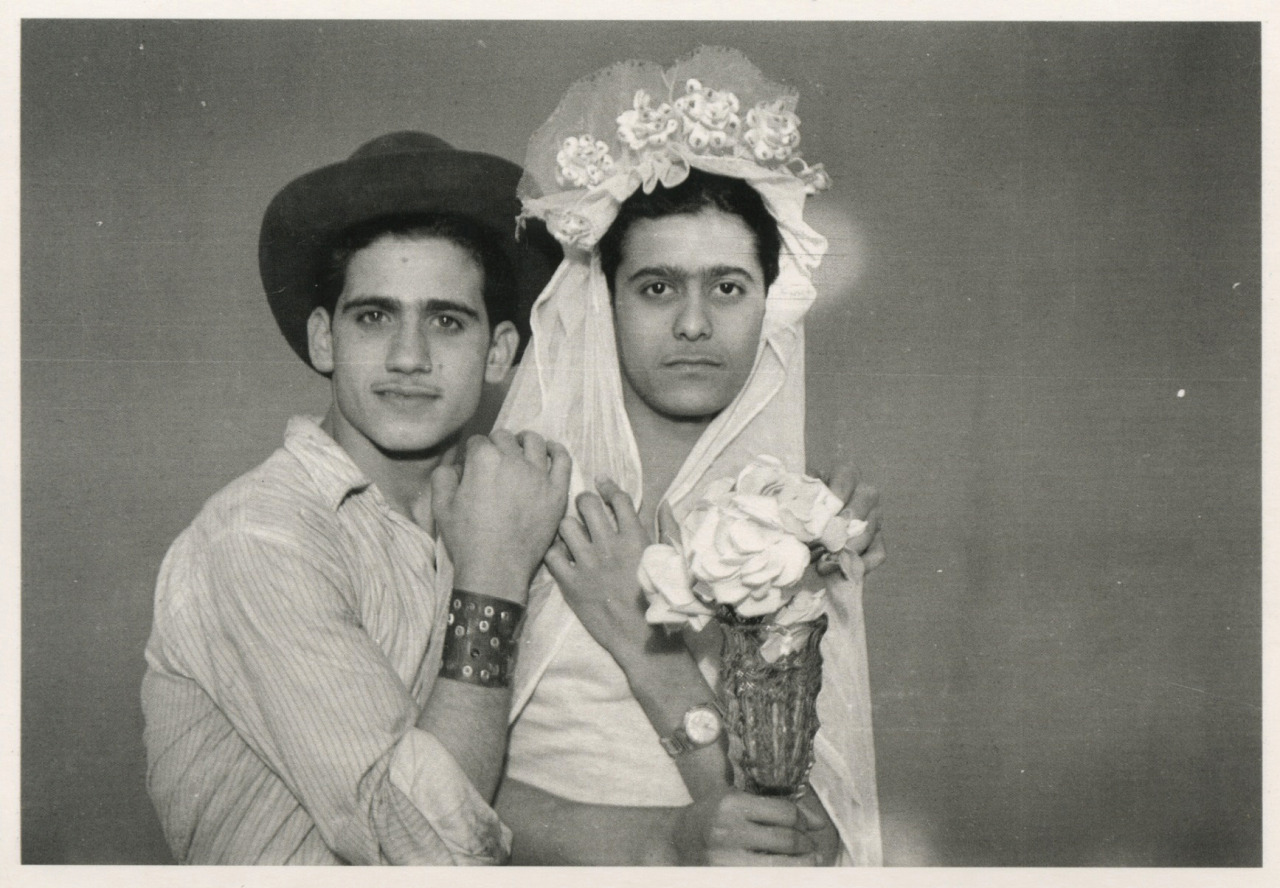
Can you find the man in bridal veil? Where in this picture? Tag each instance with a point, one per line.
(658, 361)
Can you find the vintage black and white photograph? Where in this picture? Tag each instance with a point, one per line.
(619, 443)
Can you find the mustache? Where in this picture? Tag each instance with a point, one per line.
(407, 389)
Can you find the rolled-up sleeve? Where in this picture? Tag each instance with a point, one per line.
(282, 652)
(425, 777)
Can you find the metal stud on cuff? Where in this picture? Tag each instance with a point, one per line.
(480, 644)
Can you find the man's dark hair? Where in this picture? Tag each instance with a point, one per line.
(500, 295)
(698, 192)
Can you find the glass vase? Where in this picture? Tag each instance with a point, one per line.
(770, 707)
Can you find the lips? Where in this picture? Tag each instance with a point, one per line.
(691, 361)
(402, 390)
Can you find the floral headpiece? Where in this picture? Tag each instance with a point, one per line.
(636, 126)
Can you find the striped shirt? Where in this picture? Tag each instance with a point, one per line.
(297, 635)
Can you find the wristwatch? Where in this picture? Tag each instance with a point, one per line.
(701, 726)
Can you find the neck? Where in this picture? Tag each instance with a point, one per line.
(664, 444)
(403, 478)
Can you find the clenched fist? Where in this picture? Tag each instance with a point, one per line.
(498, 512)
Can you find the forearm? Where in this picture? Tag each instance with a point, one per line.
(553, 831)
(667, 683)
(471, 723)
(468, 706)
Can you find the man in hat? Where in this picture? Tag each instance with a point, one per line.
(328, 670)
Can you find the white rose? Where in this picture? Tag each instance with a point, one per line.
(805, 505)
(668, 586)
(743, 555)
(746, 545)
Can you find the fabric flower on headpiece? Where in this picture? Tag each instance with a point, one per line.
(636, 126)
(711, 119)
(645, 126)
(773, 131)
(583, 161)
(568, 227)
(667, 169)
(815, 178)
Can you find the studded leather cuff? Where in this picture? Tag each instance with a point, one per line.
(480, 644)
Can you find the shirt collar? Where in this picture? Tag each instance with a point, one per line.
(334, 472)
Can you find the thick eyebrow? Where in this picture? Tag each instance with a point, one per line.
(653, 271)
(360, 303)
(670, 271)
(432, 306)
(729, 271)
(435, 306)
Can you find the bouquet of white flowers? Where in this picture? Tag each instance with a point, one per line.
(740, 557)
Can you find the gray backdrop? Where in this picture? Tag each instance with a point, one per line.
(1040, 336)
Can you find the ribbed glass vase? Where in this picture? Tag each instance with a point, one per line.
(770, 708)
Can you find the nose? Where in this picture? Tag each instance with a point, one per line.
(692, 322)
(409, 350)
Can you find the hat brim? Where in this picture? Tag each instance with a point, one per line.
(306, 217)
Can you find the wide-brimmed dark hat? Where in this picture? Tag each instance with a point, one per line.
(395, 174)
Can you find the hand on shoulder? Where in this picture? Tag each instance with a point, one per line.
(595, 560)
(498, 512)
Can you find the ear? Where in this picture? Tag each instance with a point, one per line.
(502, 352)
(320, 340)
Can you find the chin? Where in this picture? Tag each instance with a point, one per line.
(693, 408)
(682, 399)
(413, 441)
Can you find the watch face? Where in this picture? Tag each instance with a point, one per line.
(702, 725)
